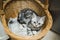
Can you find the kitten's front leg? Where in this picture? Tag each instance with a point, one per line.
(29, 32)
(34, 32)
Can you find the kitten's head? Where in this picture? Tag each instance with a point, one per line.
(28, 13)
(12, 20)
(24, 15)
(38, 21)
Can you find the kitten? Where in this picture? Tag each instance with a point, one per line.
(17, 28)
(25, 16)
(36, 22)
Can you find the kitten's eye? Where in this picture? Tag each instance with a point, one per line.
(11, 22)
(26, 17)
(39, 23)
(34, 22)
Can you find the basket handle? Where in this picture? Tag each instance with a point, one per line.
(45, 6)
(1, 13)
(5, 3)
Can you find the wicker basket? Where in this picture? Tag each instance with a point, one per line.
(11, 9)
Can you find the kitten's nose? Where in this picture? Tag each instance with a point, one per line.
(35, 26)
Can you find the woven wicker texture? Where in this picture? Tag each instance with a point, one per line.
(11, 9)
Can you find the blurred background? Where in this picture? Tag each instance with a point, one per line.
(54, 8)
(55, 11)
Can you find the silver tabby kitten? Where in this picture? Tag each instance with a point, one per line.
(25, 16)
(36, 22)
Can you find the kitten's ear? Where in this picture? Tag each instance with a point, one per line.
(16, 18)
(11, 18)
(43, 18)
(34, 15)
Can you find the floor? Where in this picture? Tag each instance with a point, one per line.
(51, 36)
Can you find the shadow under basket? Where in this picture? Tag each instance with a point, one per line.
(12, 8)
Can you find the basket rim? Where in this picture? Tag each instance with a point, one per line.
(43, 33)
